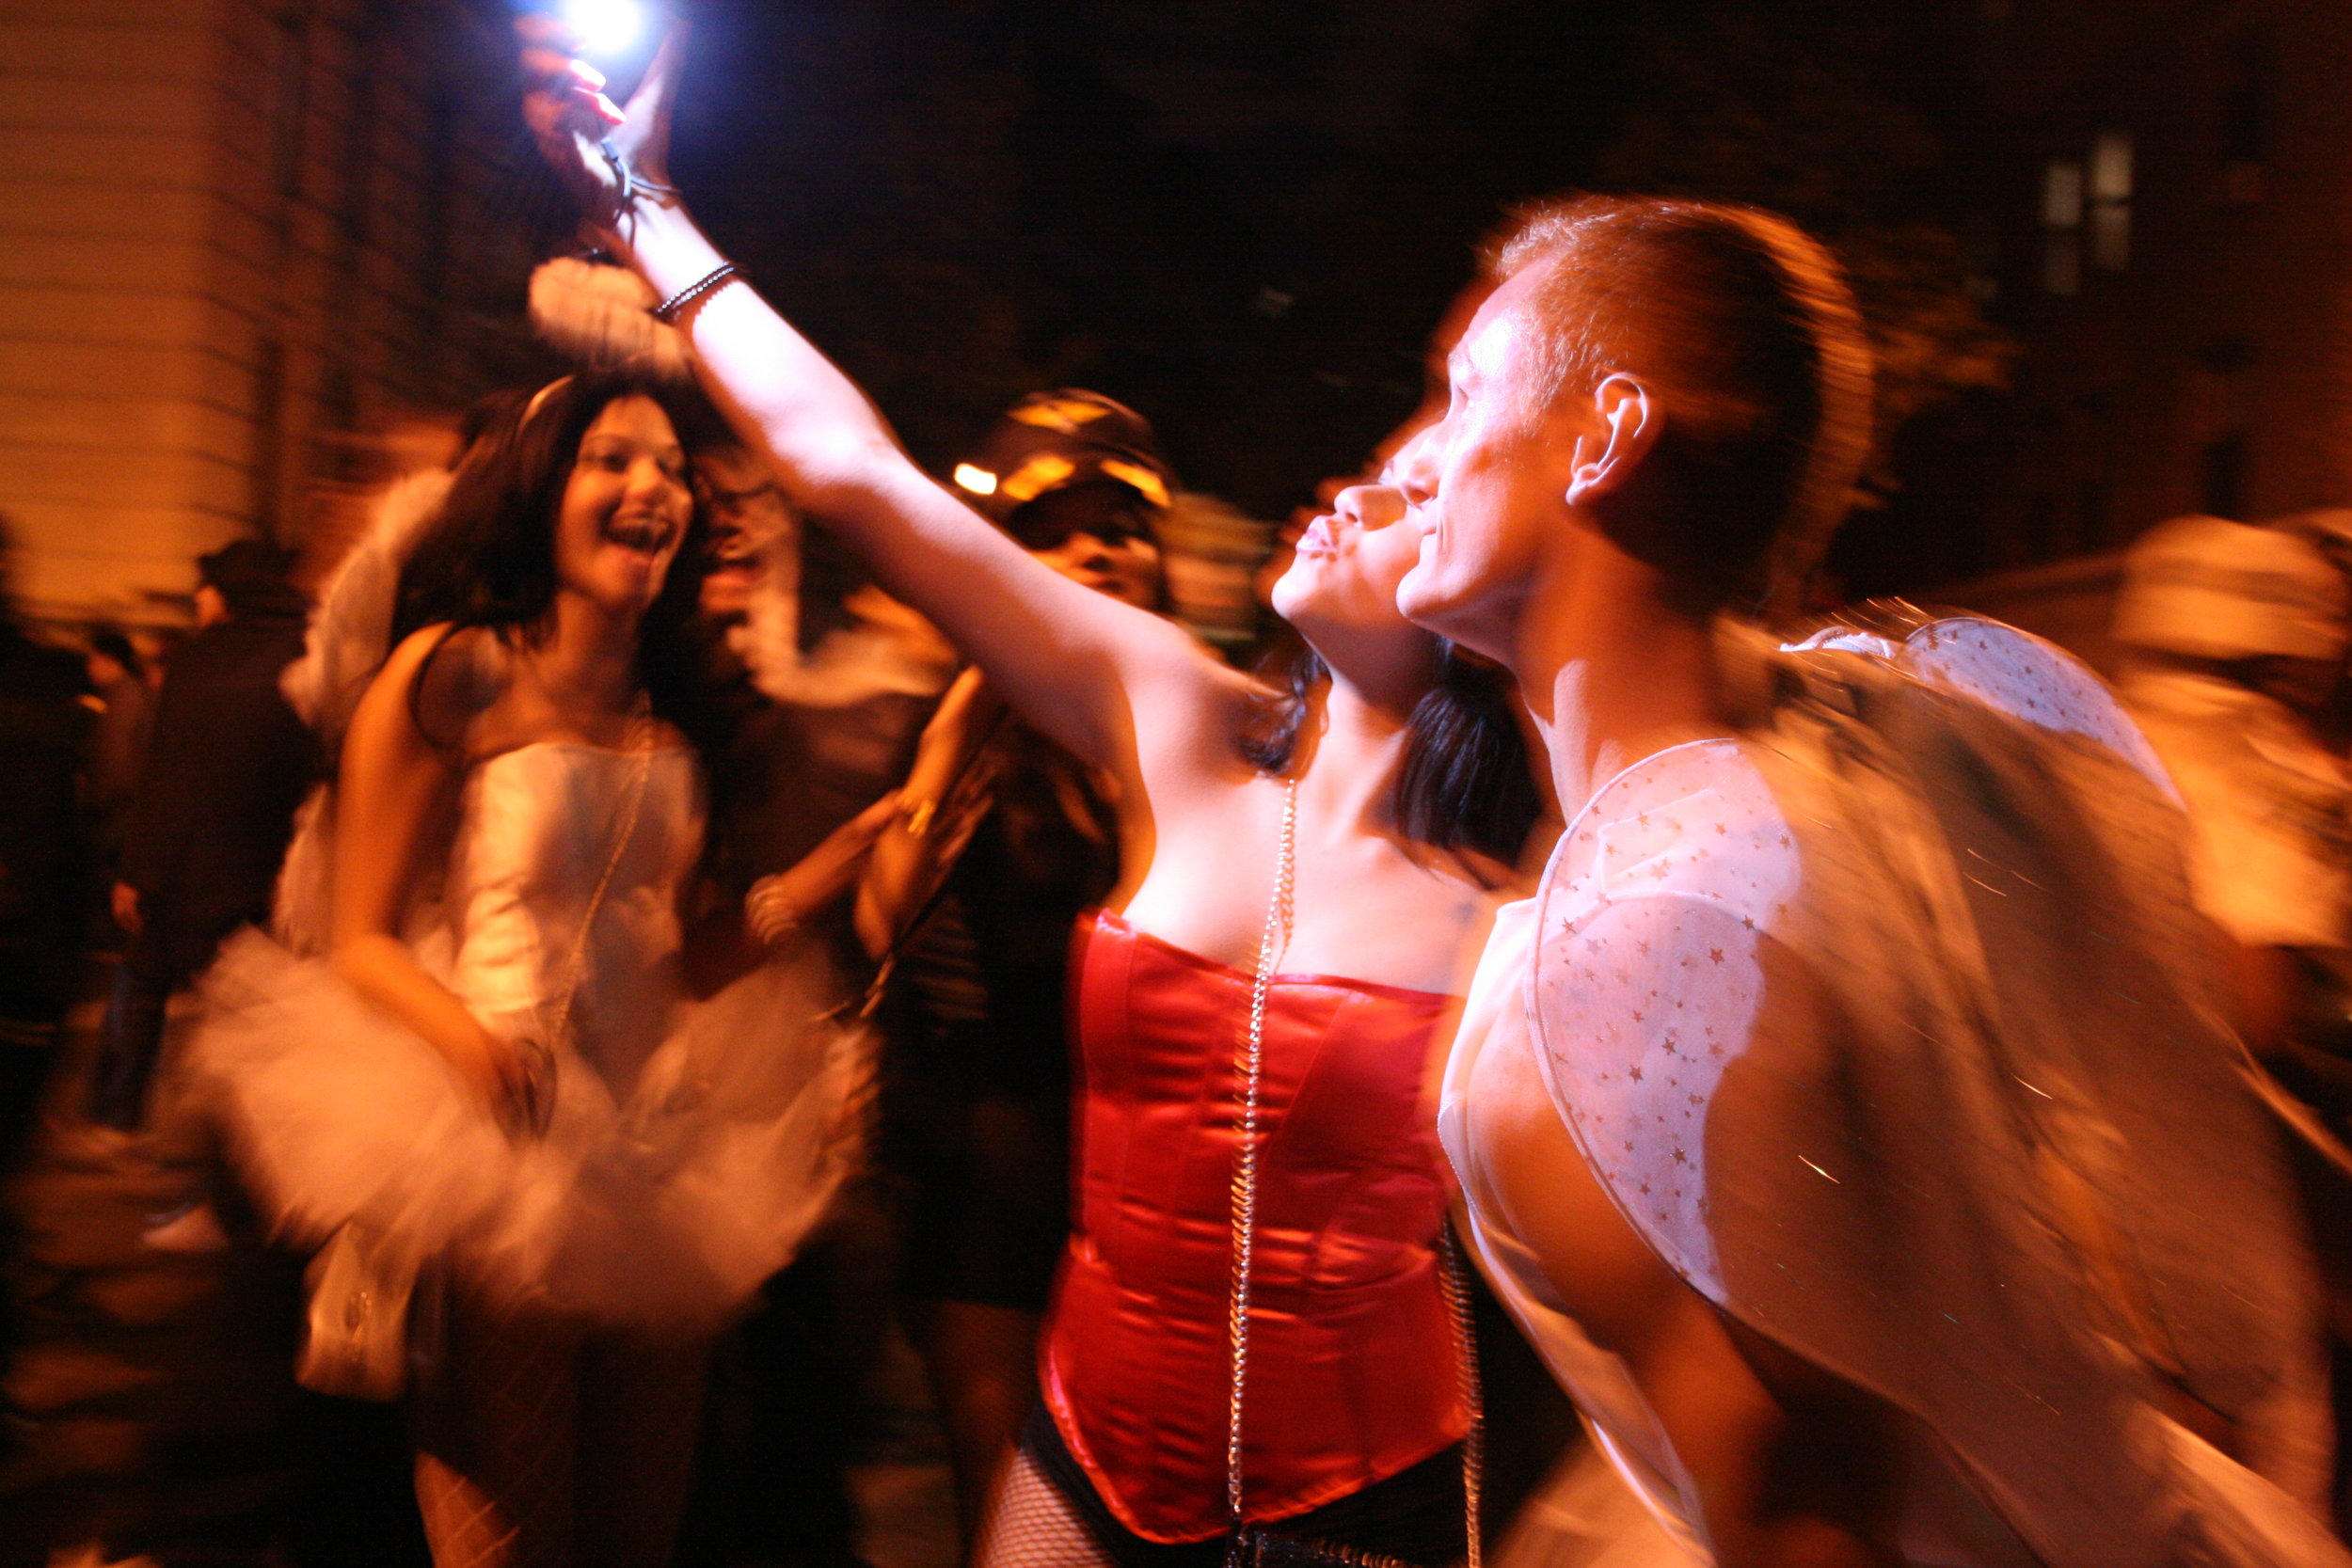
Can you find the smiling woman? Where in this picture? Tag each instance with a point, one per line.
(593, 461)
(519, 1068)
(625, 506)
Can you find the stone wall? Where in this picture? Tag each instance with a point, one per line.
(239, 241)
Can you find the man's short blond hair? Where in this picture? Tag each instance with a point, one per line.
(1742, 327)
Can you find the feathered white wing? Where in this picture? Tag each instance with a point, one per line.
(349, 638)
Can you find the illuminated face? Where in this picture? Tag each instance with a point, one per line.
(624, 508)
(1347, 563)
(1096, 532)
(1486, 484)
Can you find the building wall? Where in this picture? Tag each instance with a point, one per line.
(2208, 366)
(227, 235)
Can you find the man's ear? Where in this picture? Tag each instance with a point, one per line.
(1623, 425)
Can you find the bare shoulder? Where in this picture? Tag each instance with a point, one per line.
(437, 687)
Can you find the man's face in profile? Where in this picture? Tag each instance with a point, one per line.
(1486, 479)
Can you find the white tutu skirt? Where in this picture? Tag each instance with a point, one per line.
(665, 1209)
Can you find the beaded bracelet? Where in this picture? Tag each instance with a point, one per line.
(668, 311)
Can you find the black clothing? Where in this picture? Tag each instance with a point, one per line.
(227, 763)
(782, 1410)
(42, 730)
(976, 1085)
(785, 777)
(118, 749)
(42, 736)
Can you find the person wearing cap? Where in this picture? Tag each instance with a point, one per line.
(228, 762)
(2235, 637)
(1004, 840)
(1078, 480)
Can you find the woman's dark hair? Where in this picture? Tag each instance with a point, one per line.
(1464, 783)
(489, 559)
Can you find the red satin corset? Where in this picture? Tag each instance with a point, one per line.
(1352, 1371)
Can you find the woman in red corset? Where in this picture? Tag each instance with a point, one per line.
(1399, 768)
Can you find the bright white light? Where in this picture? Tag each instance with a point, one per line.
(979, 481)
(604, 27)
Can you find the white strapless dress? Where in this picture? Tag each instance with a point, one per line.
(692, 1144)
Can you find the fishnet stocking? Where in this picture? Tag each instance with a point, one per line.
(1029, 1524)
(982, 1361)
(541, 1447)
(496, 1443)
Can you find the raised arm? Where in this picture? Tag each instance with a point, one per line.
(1085, 669)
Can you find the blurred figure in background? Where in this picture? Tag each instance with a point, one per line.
(2237, 639)
(42, 730)
(125, 705)
(117, 682)
(973, 894)
(832, 680)
(826, 685)
(2329, 530)
(228, 762)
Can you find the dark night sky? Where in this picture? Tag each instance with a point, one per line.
(1244, 218)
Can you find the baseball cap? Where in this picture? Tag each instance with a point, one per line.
(1051, 440)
